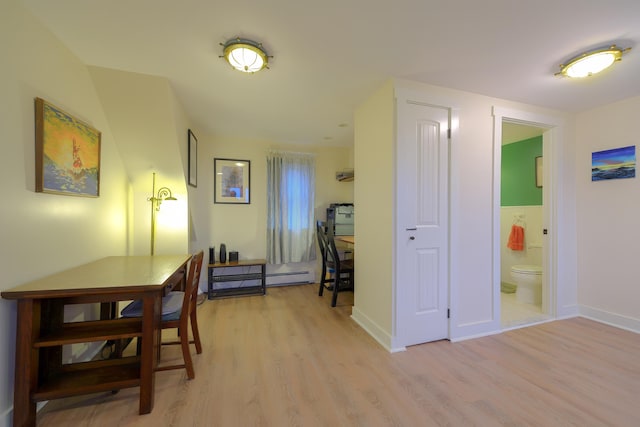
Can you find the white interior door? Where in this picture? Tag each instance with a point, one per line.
(422, 234)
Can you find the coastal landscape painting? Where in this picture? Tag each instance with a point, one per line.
(67, 153)
(617, 163)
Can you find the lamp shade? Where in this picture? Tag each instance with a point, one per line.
(245, 55)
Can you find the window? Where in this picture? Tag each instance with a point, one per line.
(290, 207)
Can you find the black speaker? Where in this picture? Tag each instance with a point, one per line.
(233, 256)
(223, 253)
(212, 255)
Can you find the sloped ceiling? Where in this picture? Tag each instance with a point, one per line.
(140, 116)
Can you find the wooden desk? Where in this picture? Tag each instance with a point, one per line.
(41, 330)
(346, 239)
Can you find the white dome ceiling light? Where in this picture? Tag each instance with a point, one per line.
(592, 62)
(245, 55)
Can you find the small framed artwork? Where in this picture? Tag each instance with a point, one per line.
(617, 163)
(231, 181)
(539, 170)
(67, 153)
(193, 159)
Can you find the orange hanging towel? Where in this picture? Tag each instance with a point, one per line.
(516, 238)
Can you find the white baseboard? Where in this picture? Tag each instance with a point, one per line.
(465, 331)
(378, 334)
(568, 311)
(611, 319)
(483, 329)
(478, 335)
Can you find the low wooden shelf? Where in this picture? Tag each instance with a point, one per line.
(89, 377)
(235, 276)
(98, 330)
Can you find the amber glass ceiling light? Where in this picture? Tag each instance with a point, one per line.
(245, 55)
(592, 62)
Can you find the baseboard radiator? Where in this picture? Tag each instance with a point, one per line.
(291, 274)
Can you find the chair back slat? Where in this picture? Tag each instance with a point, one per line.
(321, 239)
(341, 271)
(191, 287)
(332, 255)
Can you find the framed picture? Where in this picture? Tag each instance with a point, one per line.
(539, 172)
(193, 159)
(617, 163)
(67, 153)
(231, 181)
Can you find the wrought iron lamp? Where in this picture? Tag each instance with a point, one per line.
(156, 199)
(245, 55)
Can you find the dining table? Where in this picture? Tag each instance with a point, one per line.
(41, 329)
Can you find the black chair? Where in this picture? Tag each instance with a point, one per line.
(341, 277)
(320, 232)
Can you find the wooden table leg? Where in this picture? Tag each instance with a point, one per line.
(26, 372)
(151, 311)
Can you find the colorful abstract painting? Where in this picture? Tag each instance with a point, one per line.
(67, 153)
(613, 164)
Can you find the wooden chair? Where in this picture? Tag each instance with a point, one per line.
(342, 276)
(178, 310)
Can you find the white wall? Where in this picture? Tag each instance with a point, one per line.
(609, 212)
(472, 291)
(374, 184)
(45, 233)
(242, 228)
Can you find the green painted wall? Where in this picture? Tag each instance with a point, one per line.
(519, 173)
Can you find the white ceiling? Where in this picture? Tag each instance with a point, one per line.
(329, 55)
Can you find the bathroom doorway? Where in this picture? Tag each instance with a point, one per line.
(534, 212)
(521, 225)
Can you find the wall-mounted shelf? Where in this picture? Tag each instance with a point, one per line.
(345, 175)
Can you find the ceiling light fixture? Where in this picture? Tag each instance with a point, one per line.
(592, 62)
(245, 55)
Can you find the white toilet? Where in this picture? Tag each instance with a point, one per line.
(528, 278)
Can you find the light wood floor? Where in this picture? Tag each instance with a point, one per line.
(289, 359)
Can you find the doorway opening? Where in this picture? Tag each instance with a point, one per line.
(524, 198)
(521, 225)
